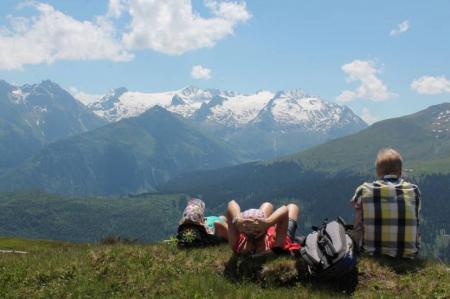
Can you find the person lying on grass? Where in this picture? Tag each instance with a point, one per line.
(260, 231)
(217, 225)
(196, 229)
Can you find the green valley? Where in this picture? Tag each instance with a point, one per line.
(131, 156)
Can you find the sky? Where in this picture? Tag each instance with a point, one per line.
(381, 58)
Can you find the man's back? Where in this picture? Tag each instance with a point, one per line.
(390, 216)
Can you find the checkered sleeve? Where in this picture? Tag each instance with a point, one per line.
(419, 199)
(419, 218)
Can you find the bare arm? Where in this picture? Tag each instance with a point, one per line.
(280, 217)
(233, 212)
(358, 228)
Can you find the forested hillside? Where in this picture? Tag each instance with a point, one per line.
(39, 215)
(155, 217)
(130, 156)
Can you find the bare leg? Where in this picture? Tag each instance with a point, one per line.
(294, 213)
(221, 229)
(282, 222)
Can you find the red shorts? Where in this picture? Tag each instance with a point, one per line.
(269, 242)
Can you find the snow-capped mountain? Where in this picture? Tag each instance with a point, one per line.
(230, 109)
(121, 103)
(296, 109)
(261, 125)
(49, 109)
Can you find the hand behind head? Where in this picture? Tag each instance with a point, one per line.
(254, 227)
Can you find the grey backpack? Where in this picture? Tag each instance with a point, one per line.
(329, 250)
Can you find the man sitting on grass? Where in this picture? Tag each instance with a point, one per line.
(260, 231)
(387, 211)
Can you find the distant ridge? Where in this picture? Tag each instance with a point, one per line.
(130, 156)
(423, 138)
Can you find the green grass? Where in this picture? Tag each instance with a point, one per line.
(8, 243)
(59, 270)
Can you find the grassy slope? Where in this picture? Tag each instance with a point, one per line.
(356, 153)
(154, 271)
(412, 135)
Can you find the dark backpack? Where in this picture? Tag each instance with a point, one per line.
(329, 250)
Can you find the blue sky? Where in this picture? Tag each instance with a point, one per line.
(381, 58)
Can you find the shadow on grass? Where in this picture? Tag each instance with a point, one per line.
(272, 271)
(400, 266)
(244, 268)
(346, 284)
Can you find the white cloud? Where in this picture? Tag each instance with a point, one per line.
(346, 96)
(232, 11)
(51, 35)
(431, 85)
(401, 28)
(116, 8)
(84, 98)
(168, 26)
(367, 116)
(200, 72)
(371, 87)
(173, 27)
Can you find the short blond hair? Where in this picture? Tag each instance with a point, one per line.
(389, 161)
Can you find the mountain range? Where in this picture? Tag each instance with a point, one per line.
(260, 125)
(32, 116)
(48, 141)
(129, 156)
(423, 139)
(145, 145)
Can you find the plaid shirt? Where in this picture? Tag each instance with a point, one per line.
(390, 216)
